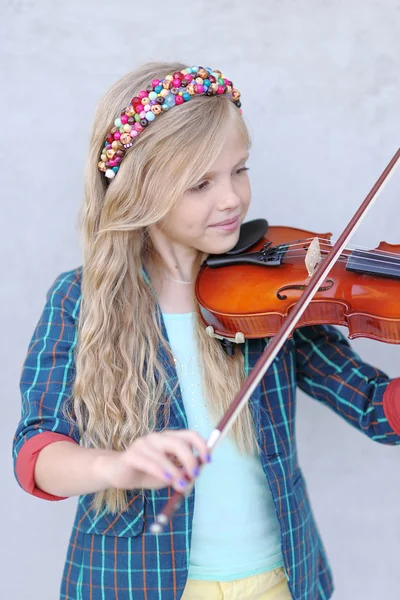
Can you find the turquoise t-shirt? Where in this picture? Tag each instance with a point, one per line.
(236, 532)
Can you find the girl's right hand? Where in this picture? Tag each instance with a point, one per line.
(151, 461)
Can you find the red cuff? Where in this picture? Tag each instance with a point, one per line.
(391, 404)
(26, 461)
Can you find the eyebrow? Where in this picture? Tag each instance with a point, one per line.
(212, 173)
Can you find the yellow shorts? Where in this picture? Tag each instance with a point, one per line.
(267, 586)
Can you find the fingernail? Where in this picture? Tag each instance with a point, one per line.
(182, 483)
(167, 475)
(208, 457)
(196, 471)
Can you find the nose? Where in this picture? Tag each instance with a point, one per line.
(228, 198)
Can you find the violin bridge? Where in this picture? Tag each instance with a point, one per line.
(313, 256)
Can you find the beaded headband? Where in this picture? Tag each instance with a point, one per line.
(159, 97)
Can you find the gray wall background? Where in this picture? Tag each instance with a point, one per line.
(321, 92)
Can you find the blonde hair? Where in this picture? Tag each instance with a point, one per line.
(120, 384)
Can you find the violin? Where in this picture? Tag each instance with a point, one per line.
(249, 294)
(323, 283)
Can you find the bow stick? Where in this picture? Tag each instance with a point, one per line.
(276, 343)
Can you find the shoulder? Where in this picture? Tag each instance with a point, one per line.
(65, 291)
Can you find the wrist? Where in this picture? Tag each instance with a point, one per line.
(104, 468)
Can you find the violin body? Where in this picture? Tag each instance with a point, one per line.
(361, 292)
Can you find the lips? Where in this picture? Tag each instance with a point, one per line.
(227, 222)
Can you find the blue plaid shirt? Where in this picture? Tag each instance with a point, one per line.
(116, 556)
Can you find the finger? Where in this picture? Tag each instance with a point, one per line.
(155, 463)
(180, 448)
(197, 442)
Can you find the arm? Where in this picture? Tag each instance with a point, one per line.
(49, 462)
(46, 383)
(331, 372)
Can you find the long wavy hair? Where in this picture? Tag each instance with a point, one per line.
(120, 390)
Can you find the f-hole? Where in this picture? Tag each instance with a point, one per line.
(324, 288)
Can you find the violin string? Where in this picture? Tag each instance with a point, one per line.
(367, 255)
(364, 256)
(330, 243)
(344, 258)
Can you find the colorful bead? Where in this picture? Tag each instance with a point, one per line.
(179, 100)
(143, 94)
(150, 116)
(170, 100)
(153, 95)
(125, 138)
(117, 122)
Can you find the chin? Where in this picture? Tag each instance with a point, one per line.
(223, 245)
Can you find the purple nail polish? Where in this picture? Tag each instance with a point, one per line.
(167, 475)
(196, 472)
(208, 458)
(182, 483)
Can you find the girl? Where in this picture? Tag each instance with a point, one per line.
(121, 385)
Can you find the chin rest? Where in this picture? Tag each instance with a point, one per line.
(250, 233)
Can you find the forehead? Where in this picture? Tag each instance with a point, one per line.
(234, 149)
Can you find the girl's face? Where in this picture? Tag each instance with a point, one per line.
(208, 216)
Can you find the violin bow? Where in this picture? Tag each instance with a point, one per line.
(276, 342)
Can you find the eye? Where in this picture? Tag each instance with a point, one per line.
(200, 187)
(242, 170)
